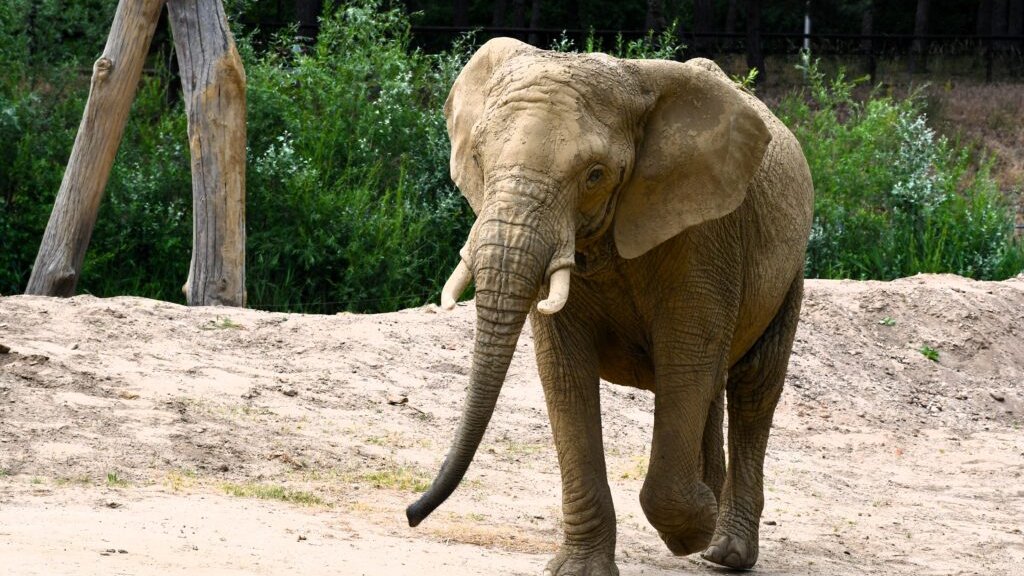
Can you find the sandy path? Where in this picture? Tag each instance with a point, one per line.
(129, 424)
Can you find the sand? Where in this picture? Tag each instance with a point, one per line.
(142, 437)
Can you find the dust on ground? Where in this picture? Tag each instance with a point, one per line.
(142, 437)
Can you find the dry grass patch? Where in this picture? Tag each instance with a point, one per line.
(509, 539)
(398, 477)
(988, 115)
(273, 492)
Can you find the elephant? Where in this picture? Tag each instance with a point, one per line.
(678, 208)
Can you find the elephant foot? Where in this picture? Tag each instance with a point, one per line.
(688, 542)
(573, 562)
(732, 551)
(685, 524)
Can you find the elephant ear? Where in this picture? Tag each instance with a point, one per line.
(702, 143)
(465, 105)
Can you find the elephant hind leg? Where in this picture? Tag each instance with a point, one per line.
(712, 447)
(753, 390)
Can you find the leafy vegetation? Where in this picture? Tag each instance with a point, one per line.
(892, 198)
(349, 202)
(115, 480)
(929, 353)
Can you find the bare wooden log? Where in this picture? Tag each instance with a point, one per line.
(115, 79)
(213, 81)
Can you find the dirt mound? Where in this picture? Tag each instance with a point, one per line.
(144, 437)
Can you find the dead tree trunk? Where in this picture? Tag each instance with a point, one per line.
(213, 80)
(115, 78)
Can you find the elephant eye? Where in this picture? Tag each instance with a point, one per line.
(595, 176)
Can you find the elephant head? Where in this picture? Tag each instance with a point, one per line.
(554, 151)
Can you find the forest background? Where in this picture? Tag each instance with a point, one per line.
(912, 132)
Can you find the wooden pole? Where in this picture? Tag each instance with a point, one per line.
(115, 79)
(213, 81)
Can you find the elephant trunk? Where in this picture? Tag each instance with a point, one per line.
(509, 261)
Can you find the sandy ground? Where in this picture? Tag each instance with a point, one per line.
(141, 437)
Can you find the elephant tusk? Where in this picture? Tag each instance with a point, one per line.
(558, 292)
(456, 283)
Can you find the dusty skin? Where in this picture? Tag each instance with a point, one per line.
(134, 435)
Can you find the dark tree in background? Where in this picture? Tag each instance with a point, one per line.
(518, 13)
(755, 52)
(919, 50)
(867, 29)
(307, 12)
(534, 22)
(1000, 22)
(460, 13)
(1015, 25)
(498, 13)
(730, 16)
(655, 15)
(984, 19)
(703, 23)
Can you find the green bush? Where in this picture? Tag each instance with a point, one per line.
(38, 122)
(350, 206)
(892, 199)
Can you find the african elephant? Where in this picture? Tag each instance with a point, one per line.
(678, 208)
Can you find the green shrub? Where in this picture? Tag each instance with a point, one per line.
(350, 206)
(892, 198)
(38, 122)
(142, 243)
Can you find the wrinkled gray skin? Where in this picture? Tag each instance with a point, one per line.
(683, 208)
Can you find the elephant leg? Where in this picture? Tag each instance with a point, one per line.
(568, 367)
(675, 497)
(713, 448)
(753, 390)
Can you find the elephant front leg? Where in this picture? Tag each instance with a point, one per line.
(676, 497)
(569, 372)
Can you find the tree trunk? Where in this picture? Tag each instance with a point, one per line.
(1015, 26)
(518, 13)
(703, 18)
(655, 16)
(460, 13)
(534, 38)
(498, 16)
(115, 79)
(755, 55)
(214, 84)
(1000, 23)
(307, 12)
(730, 21)
(984, 22)
(867, 45)
(919, 50)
